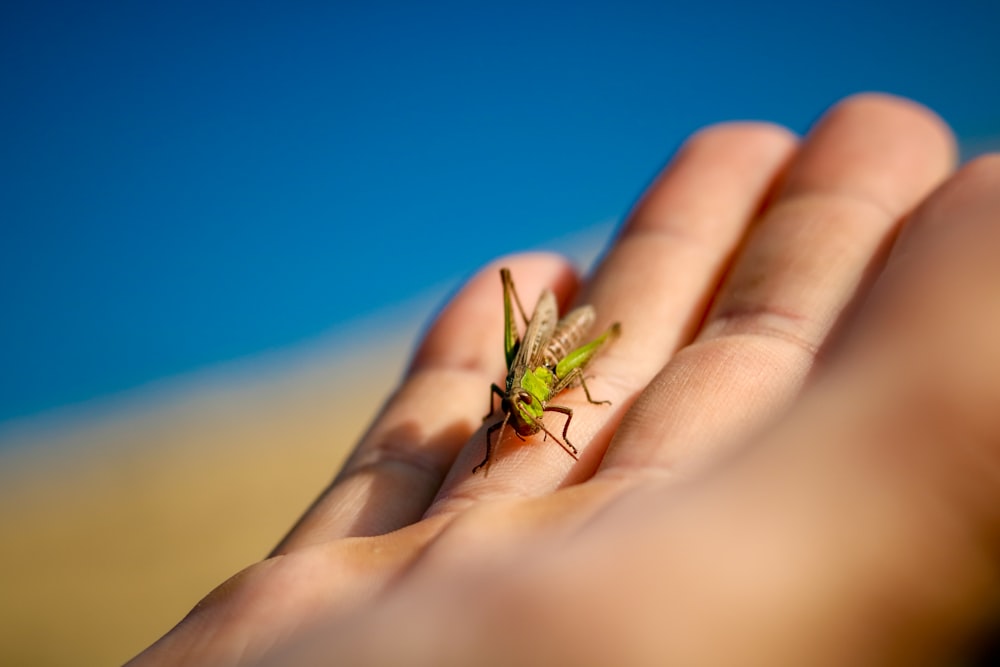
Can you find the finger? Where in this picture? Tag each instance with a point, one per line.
(870, 518)
(655, 280)
(928, 354)
(864, 165)
(394, 472)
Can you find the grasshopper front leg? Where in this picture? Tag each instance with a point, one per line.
(566, 444)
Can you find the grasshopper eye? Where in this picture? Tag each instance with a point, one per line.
(524, 397)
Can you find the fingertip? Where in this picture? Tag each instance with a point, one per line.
(724, 160)
(874, 147)
(902, 108)
(976, 181)
(972, 194)
(763, 135)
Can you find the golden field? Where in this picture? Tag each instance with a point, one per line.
(117, 519)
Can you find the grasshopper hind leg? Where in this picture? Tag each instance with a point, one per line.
(587, 393)
(576, 377)
(564, 443)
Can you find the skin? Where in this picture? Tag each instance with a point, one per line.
(800, 465)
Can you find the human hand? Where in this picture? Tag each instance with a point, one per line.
(799, 465)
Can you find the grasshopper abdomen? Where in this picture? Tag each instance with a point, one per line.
(568, 334)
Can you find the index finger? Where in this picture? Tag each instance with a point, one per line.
(397, 467)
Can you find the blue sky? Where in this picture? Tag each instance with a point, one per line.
(187, 183)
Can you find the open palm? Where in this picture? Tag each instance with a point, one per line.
(799, 464)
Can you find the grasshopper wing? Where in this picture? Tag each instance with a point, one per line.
(536, 336)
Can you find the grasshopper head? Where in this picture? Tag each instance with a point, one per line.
(527, 411)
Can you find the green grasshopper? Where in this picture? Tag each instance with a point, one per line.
(544, 362)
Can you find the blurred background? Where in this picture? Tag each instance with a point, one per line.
(224, 223)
